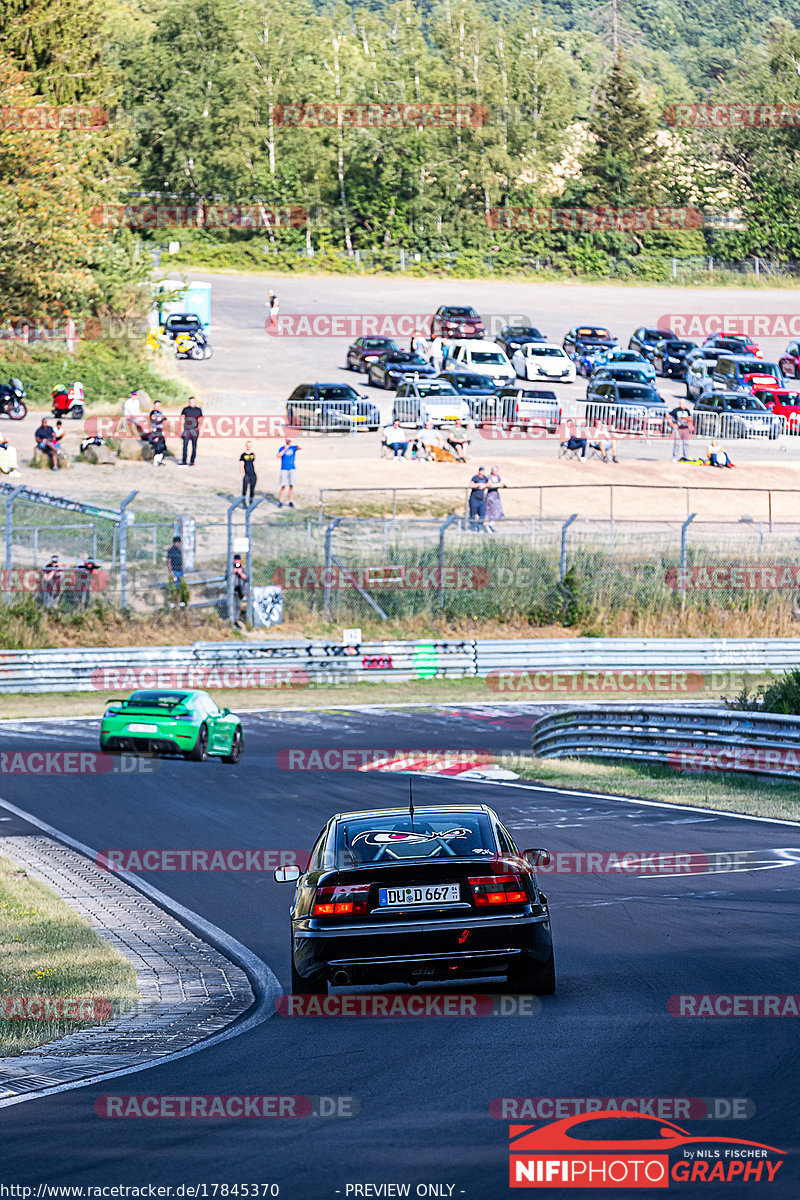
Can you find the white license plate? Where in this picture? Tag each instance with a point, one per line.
(142, 729)
(429, 893)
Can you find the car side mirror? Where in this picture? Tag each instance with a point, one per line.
(286, 874)
(537, 858)
(226, 712)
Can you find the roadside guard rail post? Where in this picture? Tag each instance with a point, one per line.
(683, 738)
(248, 511)
(124, 518)
(684, 538)
(10, 495)
(232, 616)
(501, 663)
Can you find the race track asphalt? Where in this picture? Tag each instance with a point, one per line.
(624, 945)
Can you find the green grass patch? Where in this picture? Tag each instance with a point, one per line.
(107, 370)
(727, 793)
(48, 950)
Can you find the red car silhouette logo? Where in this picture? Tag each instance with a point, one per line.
(666, 1135)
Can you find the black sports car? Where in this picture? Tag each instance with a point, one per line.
(512, 337)
(441, 894)
(365, 350)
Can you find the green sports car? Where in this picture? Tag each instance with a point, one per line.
(176, 722)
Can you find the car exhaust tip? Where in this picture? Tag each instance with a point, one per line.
(340, 978)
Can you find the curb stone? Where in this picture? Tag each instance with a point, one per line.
(188, 989)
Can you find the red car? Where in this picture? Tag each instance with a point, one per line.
(456, 321)
(782, 402)
(790, 360)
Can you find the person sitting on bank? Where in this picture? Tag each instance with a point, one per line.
(8, 458)
(46, 442)
(457, 441)
(717, 455)
(428, 441)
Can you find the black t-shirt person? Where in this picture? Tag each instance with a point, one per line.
(248, 458)
(682, 418)
(191, 414)
(479, 485)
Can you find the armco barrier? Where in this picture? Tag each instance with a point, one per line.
(695, 739)
(651, 654)
(231, 665)
(296, 663)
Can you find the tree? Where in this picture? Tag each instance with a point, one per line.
(621, 167)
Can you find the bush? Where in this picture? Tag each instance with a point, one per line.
(781, 696)
(108, 371)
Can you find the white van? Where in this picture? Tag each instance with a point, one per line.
(481, 356)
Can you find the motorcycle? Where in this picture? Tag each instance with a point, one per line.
(68, 402)
(12, 396)
(193, 345)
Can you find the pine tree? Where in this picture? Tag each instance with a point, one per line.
(621, 167)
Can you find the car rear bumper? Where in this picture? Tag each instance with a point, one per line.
(148, 743)
(458, 947)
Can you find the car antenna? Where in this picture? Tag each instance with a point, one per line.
(411, 803)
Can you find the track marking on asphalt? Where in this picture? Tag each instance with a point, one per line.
(692, 808)
(265, 984)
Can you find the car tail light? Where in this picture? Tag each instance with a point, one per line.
(347, 900)
(491, 891)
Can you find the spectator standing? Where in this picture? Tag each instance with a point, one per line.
(248, 460)
(83, 578)
(494, 505)
(419, 344)
(273, 308)
(192, 415)
(682, 430)
(239, 586)
(287, 453)
(51, 582)
(395, 437)
(45, 437)
(175, 560)
(477, 500)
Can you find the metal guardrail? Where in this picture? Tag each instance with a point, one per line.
(255, 664)
(697, 739)
(750, 655)
(271, 665)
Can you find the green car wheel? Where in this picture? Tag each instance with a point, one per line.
(237, 746)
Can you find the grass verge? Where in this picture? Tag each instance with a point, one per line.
(727, 793)
(48, 950)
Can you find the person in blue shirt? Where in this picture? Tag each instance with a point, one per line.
(287, 453)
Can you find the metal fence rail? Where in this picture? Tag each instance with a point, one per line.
(689, 740)
(298, 663)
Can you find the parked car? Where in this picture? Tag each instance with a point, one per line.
(784, 403)
(626, 374)
(518, 406)
(456, 321)
(333, 406)
(365, 350)
(645, 339)
(634, 407)
(744, 371)
(625, 358)
(709, 353)
(735, 415)
(434, 400)
(730, 343)
(669, 357)
(698, 377)
(588, 340)
(468, 383)
(182, 323)
(390, 369)
(483, 356)
(790, 360)
(542, 360)
(514, 337)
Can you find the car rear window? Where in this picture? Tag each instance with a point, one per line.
(757, 367)
(436, 388)
(377, 343)
(522, 331)
(475, 381)
(407, 357)
(459, 312)
(487, 356)
(545, 351)
(376, 839)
